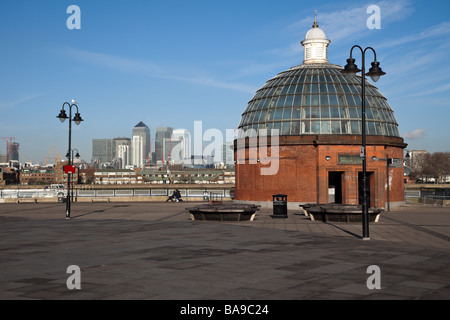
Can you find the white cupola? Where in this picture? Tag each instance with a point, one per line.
(315, 45)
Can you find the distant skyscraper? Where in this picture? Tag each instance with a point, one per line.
(13, 151)
(140, 145)
(102, 149)
(228, 153)
(161, 134)
(121, 150)
(182, 149)
(117, 142)
(170, 148)
(123, 155)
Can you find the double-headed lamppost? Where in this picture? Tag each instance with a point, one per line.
(77, 118)
(350, 70)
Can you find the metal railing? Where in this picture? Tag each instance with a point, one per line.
(433, 196)
(92, 193)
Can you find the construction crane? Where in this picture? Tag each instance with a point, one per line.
(57, 155)
(169, 173)
(8, 141)
(25, 158)
(50, 157)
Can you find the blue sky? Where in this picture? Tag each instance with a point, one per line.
(170, 63)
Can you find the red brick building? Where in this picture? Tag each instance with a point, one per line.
(8, 176)
(37, 176)
(317, 112)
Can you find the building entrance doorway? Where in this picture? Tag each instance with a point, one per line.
(335, 187)
(369, 187)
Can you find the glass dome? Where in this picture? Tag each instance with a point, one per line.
(312, 99)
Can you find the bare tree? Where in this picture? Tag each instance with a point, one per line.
(440, 162)
(421, 167)
(432, 167)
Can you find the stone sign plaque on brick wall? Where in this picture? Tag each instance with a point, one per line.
(349, 159)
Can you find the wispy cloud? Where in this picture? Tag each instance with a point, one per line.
(347, 23)
(12, 104)
(292, 50)
(352, 21)
(416, 134)
(415, 62)
(209, 81)
(151, 70)
(441, 88)
(420, 71)
(124, 65)
(440, 30)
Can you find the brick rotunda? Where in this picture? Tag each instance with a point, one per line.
(317, 111)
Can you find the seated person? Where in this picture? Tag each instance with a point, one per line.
(175, 196)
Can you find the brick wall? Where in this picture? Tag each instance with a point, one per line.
(304, 173)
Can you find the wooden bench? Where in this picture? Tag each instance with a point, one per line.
(26, 200)
(340, 212)
(100, 199)
(224, 212)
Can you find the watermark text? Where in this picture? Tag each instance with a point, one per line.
(374, 21)
(74, 20)
(74, 280)
(374, 281)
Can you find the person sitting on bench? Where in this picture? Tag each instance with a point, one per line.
(175, 196)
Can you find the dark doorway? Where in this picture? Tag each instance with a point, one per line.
(335, 187)
(369, 176)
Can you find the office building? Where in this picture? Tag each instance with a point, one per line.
(181, 150)
(102, 150)
(161, 134)
(13, 151)
(140, 145)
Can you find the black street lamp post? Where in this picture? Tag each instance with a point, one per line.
(375, 72)
(77, 118)
(76, 156)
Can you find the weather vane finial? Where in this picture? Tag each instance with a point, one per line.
(315, 20)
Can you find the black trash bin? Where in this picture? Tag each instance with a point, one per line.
(61, 197)
(280, 206)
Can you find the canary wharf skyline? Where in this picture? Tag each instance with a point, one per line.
(171, 64)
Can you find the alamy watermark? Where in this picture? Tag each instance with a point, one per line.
(374, 21)
(74, 20)
(374, 281)
(74, 280)
(240, 146)
(259, 151)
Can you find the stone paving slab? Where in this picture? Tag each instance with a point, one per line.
(154, 251)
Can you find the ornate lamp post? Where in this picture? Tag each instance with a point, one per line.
(77, 118)
(375, 72)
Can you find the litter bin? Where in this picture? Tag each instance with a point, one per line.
(61, 198)
(280, 206)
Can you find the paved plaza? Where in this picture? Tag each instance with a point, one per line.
(154, 251)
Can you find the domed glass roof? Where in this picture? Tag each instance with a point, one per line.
(312, 99)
